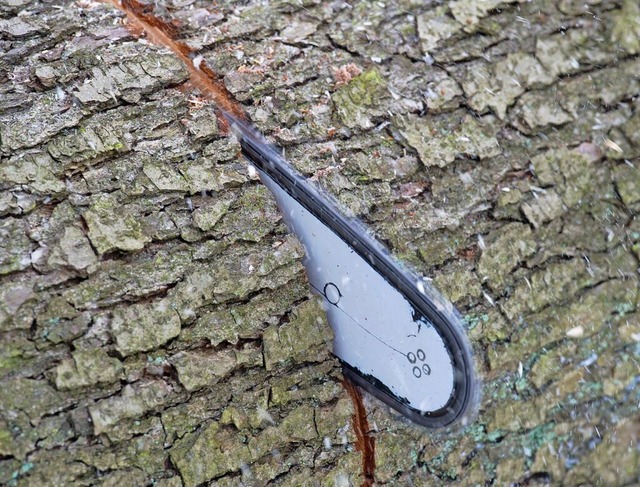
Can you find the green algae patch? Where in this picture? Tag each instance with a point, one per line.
(543, 209)
(598, 306)
(505, 249)
(16, 352)
(546, 369)
(442, 245)
(15, 246)
(627, 180)
(52, 467)
(515, 416)
(626, 27)
(55, 431)
(469, 12)
(305, 338)
(86, 368)
(130, 78)
(488, 327)
(497, 87)
(629, 328)
(359, 101)
(310, 382)
(216, 327)
(573, 50)
(632, 131)
(143, 327)
(73, 250)
(624, 373)
(585, 317)
(93, 141)
(434, 26)
(139, 445)
(33, 397)
(132, 402)
(17, 436)
(252, 216)
(234, 276)
(165, 177)
(199, 369)
(205, 174)
(110, 229)
(456, 282)
(394, 454)
(272, 303)
(536, 110)
(183, 419)
(127, 476)
(145, 451)
(441, 140)
(235, 416)
(510, 470)
(562, 280)
(38, 170)
(61, 322)
(443, 22)
(332, 421)
(296, 427)
(570, 171)
(209, 213)
(345, 473)
(116, 280)
(618, 449)
(209, 453)
(299, 424)
(38, 123)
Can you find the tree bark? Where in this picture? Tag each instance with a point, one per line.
(156, 327)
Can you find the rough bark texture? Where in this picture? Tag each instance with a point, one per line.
(155, 323)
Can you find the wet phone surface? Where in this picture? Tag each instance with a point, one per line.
(396, 337)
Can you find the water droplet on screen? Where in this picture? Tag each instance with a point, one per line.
(327, 443)
(246, 471)
(341, 481)
(276, 454)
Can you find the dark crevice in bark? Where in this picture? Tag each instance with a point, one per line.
(162, 33)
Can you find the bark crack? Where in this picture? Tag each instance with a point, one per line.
(365, 442)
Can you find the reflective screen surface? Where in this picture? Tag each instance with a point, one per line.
(377, 330)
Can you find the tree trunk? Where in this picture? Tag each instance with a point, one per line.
(155, 321)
